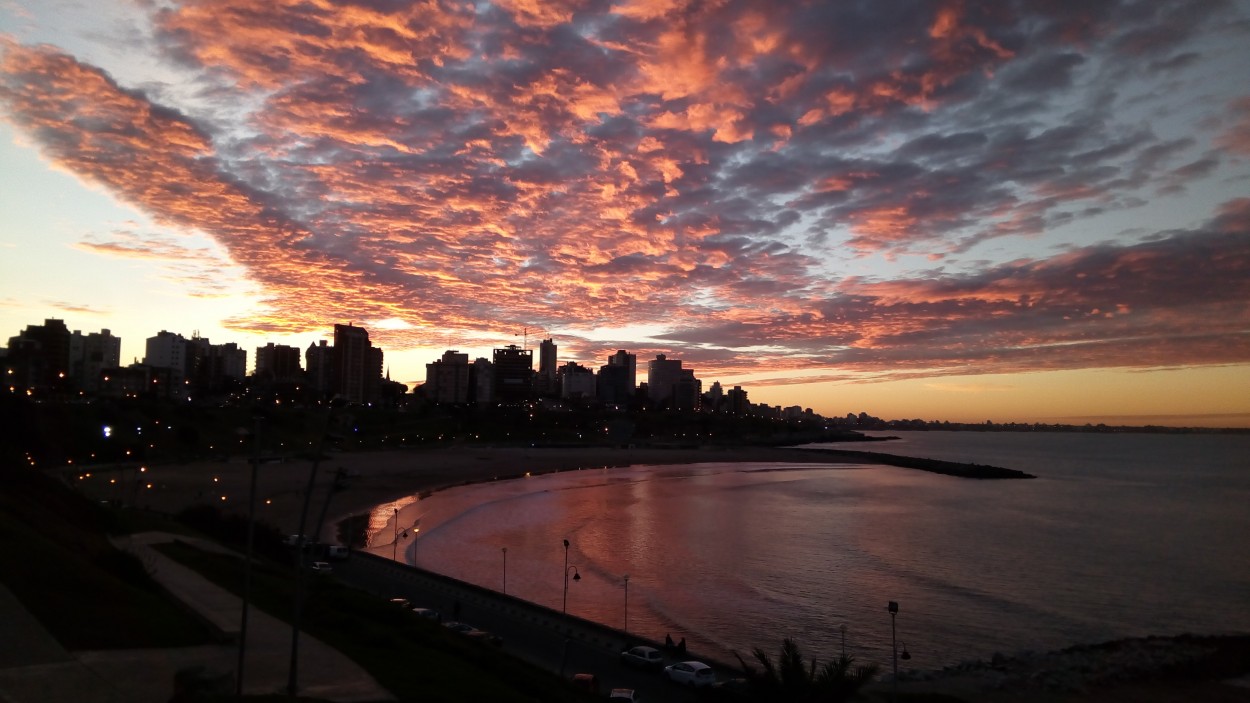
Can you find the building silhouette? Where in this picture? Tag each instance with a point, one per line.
(319, 360)
(577, 382)
(38, 359)
(547, 382)
(447, 380)
(617, 382)
(514, 374)
(356, 374)
(278, 363)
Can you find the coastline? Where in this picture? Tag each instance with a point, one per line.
(376, 478)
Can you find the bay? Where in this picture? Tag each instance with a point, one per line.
(1120, 535)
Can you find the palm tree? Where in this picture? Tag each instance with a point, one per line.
(790, 680)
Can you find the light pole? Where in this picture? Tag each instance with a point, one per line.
(626, 577)
(247, 566)
(404, 534)
(893, 608)
(576, 577)
(505, 571)
(564, 608)
(843, 629)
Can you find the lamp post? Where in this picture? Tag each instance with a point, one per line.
(893, 609)
(626, 628)
(576, 577)
(564, 608)
(505, 571)
(403, 534)
(843, 629)
(247, 567)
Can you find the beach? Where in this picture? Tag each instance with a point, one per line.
(374, 478)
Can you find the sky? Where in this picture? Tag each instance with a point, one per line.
(1010, 211)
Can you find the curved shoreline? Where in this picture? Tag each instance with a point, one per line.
(376, 478)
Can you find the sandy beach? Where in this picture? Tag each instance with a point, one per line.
(373, 478)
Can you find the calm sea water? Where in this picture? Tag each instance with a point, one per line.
(1121, 535)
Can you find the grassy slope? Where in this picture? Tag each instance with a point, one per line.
(55, 557)
(410, 656)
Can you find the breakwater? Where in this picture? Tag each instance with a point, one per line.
(937, 466)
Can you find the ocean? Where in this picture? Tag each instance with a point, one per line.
(1120, 535)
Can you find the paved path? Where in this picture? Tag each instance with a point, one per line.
(35, 669)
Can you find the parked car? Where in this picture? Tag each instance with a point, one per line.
(401, 602)
(338, 552)
(429, 613)
(624, 695)
(691, 673)
(644, 657)
(321, 567)
(472, 632)
(586, 682)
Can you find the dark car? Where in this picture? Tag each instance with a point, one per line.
(472, 632)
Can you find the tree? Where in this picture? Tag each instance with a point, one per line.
(791, 680)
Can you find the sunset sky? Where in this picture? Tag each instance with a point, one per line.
(1017, 211)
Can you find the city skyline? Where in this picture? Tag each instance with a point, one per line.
(944, 211)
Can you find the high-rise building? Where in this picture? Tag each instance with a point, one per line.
(167, 350)
(662, 376)
(482, 381)
(737, 401)
(514, 374)
(319, 359)
(39, 357)
(357, 370)
(630, 363)
(447, 380)
(576, 381)
(687, 391)
(92, 353)
(547, 382)
(278, 363)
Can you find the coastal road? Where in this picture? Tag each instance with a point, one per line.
(529, 632)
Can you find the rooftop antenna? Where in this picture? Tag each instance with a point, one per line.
(525, 338)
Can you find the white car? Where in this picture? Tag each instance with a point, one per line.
(321, 567)
(624, 695)
(645, 657)
(691, 673)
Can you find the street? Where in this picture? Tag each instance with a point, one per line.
(546, 639)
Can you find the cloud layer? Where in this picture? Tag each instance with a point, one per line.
(898, 188)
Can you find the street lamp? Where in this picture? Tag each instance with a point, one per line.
(893, 609)
(564, 609)
(505, 571)
(404, 534)
(576, 577)
(842, 627)
(626, 577)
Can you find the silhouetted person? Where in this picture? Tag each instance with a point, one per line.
(681, 646)
(668, 641)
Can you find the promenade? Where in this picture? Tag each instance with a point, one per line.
(35, 669)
